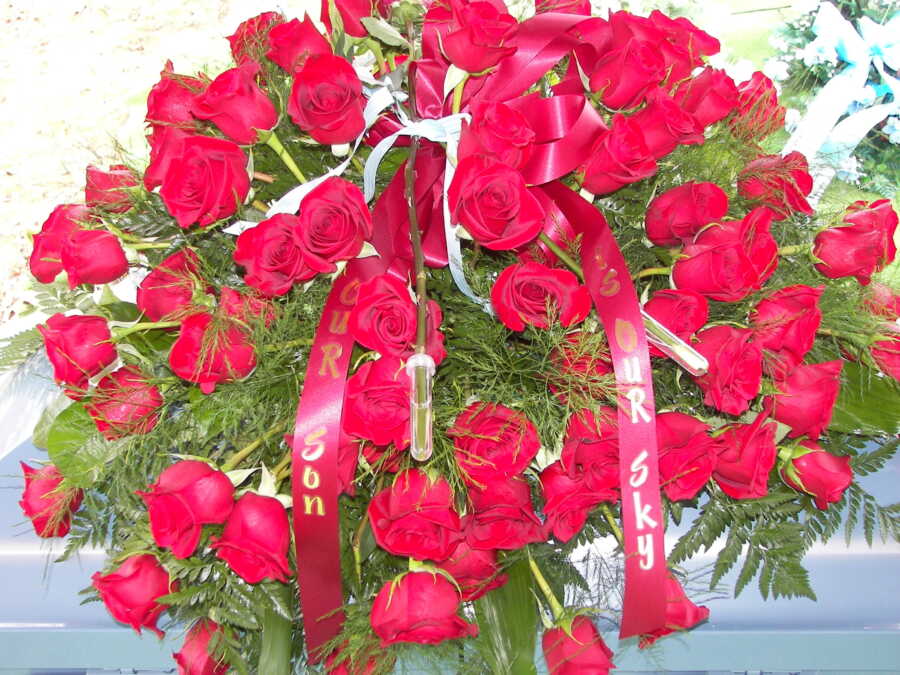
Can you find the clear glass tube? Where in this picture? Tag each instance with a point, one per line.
(674, 347)
(420, 368)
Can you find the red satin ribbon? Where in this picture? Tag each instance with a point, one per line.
(607, 278)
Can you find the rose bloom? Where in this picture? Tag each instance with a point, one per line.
(687, 454)
(194, 657)
(624, 74)
(336, 663)
(684, 44)
(78, 347)
(580, 7)
(758, 112)
(170, 100)
(579, 653)
(351, 12)
(93, 257)
(46, 254)
(326, 100)
(746, 455)
(166, 144)
(863, 247)
(590, 451)
(582, 365)
(522, 293)
(236, 105)
(618, 157)
(415, 517)
(683, 312)
(107, 190)
(805, 398)
(270, 256)
(247, 308)
(186, 496)
(169, 288)
(886, 354)
(709, 96)
(674, 217)
(292, 42)
(256, 539)
(497, 132)
(567, 501)
(476, 36)
(124, 403)
(780, 183)
(785, 325)
(735, 368)
(420, 607)
(48, 507)
(248, 42)
(818, 473)
(666, 125)
(130, 591)
(503, 516)
(681, 613)
(377, 403)
(476, 572)
(209, 351)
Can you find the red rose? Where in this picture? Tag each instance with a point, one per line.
(882, 301)
(130, 591)
(522, 292)
(206, 181)
(78, 347)
(339, 664)
(735, 368)
(625, 73)
(351, 12)
(415, 517)
(333, 224)
(806, 397)
(46, 255)
(249, 41)
(166, 143)
(186, 496)
(728, 261)
(780, 183)
(475, 38)
(681, 311)
(236, 105)
(674, 217)
(270, 256)
(420, 607)
(170, 100)
(681, 613)
(292, 42)
(195, 657)
(580, 7)
(581, 365)
(256, 539)
(502, 517)
(493, 203)
(578, 652)
(169, 288)
(666, 125)
(208, 352)
(492, 441)
(108, 189)
(746, 455)
(818, 473)
(687, 454)
(124, 403)
(377, 404)
(93, 257)
(497, 132)
(618, 157)
(567, 501)
(48, 507)
(246, 308)
(476, 572)
(384, 319)
(709, 96)
(785, 325)
(887, 354)
(863, 247)
(758, 112)
(591, 451)
(326, 100)
(684, 46)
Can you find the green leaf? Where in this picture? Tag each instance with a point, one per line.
(867, 404)
(275, 655)
(508, 622)
(42, 428)
(77, 449)
(381, 30)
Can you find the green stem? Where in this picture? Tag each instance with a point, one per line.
(299, 342)
(458, 93)
(283, 467)
(613, 525)
(792, 250)
(563, 255)
(119, 333)
(244, 452)
(375, 48)
(555, 605)
(149, 244)
(275, 143)
(653, 271)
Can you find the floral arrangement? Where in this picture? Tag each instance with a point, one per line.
(360, 357)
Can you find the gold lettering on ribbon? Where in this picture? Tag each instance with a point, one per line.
(626, 335)
(311, 478)
(339, 319)
(314, 445)
(310, 502)
(350, 293)
(331, 352)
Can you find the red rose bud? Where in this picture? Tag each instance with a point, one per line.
(351, 12)
(247, 308)
(170, 100)
(863, 247)
(250, 40)
(503, 517)
(618, 157)
(728, 261)
(186, 496)
(817, 473)
(236, 105)
(208, 352)
(805, 398)
(338, 664)
(493, 203)
(45, 504)
(581, 364)
(684, 46)
(195, 657)
(785, 325)
(377, 403)
(326, 100)
(681, 311)
(578, 652)
(476, 572)
(735, 368)
(415, 517)
(780, 183)
(78, 347)
(334, 223)
(746, 455)
(567, 501)
(384, 319)
(687, 454)
(758, 111)
(674, 217)
(886, 354)
(166, 143)
(709, 97)
(292, 42)
(270, 256)
(591, 451)
(883, 301)
(497, 132)
(93, 257)
(476, 36)
(124, 403)
(580, 7)
(131, 590)
(46, 255)
(108, 189)
(421, 607)
(523, 291)
(256, 538)
(681, 613)
(624, 74)
(205, 181)
(169, 288)
(666, 125)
